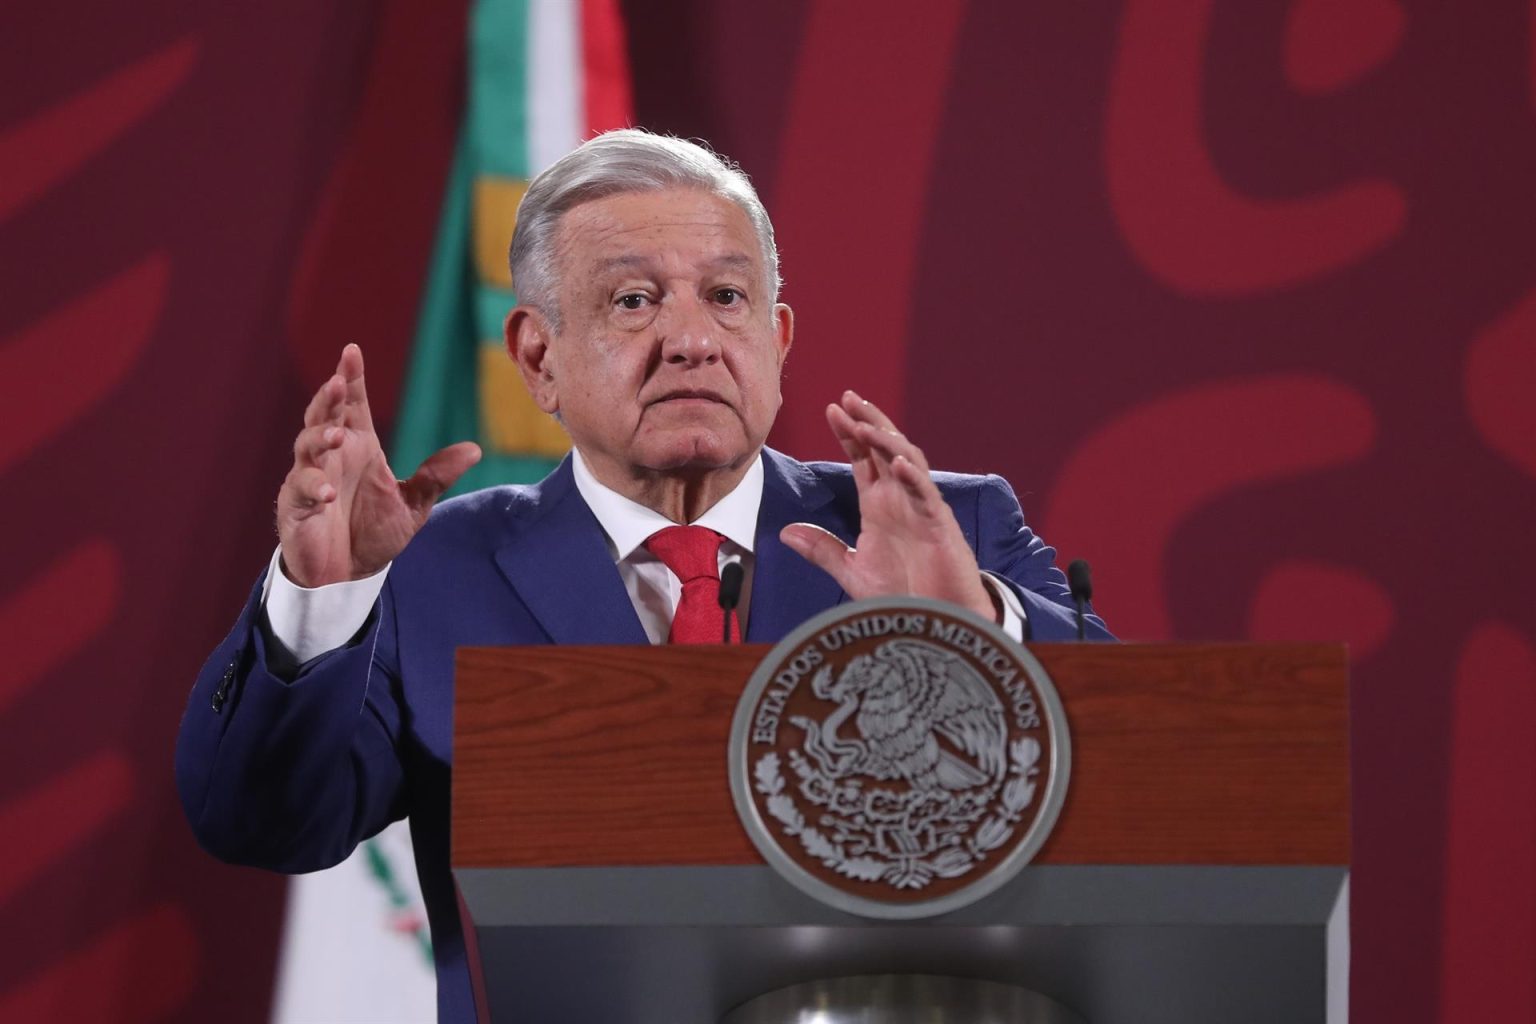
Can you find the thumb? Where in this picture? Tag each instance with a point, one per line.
(822, 549)
(440, 471)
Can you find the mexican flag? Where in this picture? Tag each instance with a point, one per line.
(543, 76)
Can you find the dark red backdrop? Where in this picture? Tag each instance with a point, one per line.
(1238, 295)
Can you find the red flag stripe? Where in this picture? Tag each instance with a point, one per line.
(607, 95)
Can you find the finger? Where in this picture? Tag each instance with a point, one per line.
(305, 492)
(325, 406)
(865, 411)
(918, 484)
(314, 443)
(846, 432)
(888, 444)
(873, 424)
(818, 547)
(858, 453)
(350, 370)
(440, 471)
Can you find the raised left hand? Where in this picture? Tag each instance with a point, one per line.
(909, 541)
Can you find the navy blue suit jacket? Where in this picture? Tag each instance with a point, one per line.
(291, 770)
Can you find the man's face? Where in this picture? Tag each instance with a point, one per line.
(668, 358)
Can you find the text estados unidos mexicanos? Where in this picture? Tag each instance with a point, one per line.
(765, 724)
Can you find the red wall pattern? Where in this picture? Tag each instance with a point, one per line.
(183, 220)
(1240, 296)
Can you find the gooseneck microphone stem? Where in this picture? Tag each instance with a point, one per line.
(1080, 582)
(730, 595)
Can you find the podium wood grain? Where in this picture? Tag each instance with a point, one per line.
(1182, 754)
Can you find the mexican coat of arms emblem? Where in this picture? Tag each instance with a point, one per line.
(899, 758)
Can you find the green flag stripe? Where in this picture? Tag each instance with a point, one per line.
(498, 97)
(459, 313)
(438, 406)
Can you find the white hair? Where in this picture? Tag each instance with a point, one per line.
(615, 163)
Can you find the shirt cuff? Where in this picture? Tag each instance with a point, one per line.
(1013, 608)
(308, 622)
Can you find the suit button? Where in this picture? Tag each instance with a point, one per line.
(221, 695)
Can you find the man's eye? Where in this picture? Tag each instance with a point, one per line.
(632, 302)
(728, 296)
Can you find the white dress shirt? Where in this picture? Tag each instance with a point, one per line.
(654, 589)
(308, 622)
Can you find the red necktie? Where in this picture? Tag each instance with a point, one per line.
(693, 555)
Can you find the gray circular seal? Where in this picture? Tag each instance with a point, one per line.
(899, 757)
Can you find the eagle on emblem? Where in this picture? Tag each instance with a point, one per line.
(922, 714)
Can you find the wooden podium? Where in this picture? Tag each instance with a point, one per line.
(1198, 871)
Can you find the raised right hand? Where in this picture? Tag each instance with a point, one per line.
(341, 514)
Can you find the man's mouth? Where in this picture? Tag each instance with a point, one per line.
(700, 395)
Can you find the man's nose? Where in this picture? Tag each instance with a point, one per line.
(687, 332)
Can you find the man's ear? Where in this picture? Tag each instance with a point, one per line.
(784, 330)
(528, 337)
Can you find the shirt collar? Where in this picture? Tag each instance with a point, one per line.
(628, 523)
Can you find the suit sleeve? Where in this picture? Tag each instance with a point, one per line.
(290, 771)
(1007, 547)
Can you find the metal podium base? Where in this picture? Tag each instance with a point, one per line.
(902, 999)
(1170, 944)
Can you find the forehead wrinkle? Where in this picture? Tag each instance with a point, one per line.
(627, 261)
(604, 226)
(733, 261)
(600, 230)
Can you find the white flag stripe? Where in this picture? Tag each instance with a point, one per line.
(341, 962)
(556, 118)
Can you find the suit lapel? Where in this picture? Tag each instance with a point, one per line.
(786, 589)
(557, 559)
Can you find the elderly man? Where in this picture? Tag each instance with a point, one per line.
(649, 325)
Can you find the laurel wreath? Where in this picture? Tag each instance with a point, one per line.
(1019, 791)
(952, 862)
(770, 783)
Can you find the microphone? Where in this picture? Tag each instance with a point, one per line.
(730, 594)
(1080, 581)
